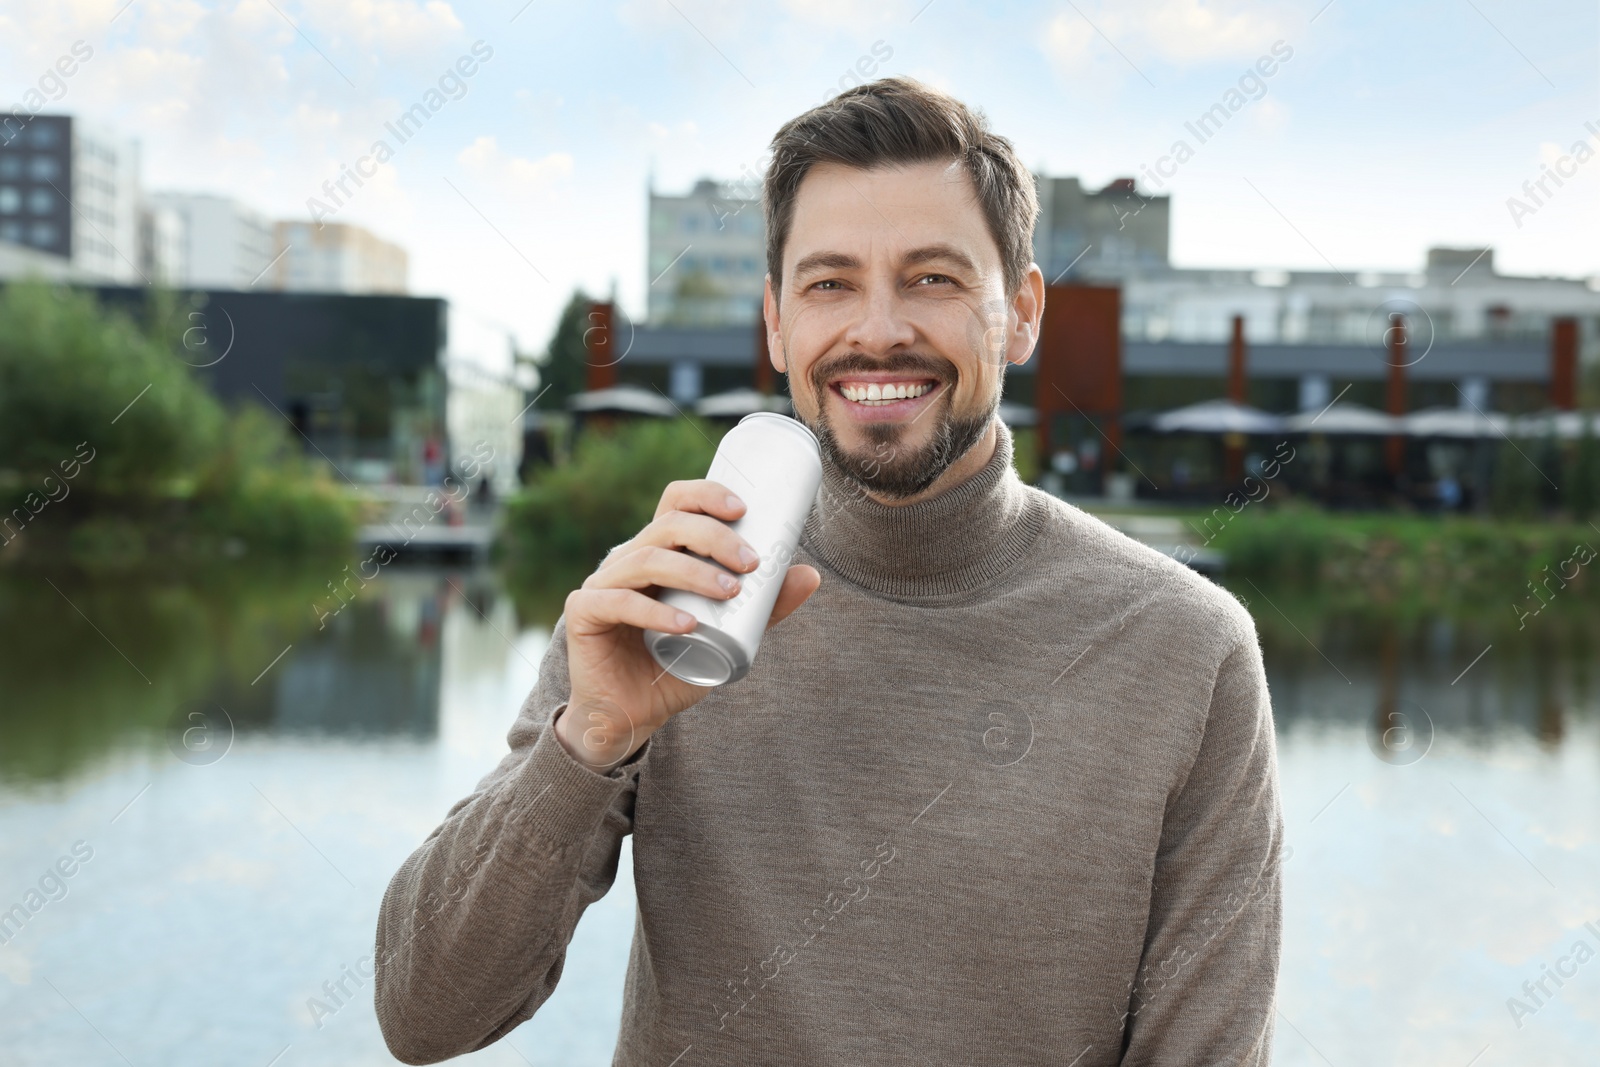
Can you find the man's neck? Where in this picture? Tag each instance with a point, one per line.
(970, 463)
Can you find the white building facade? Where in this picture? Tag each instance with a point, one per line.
(225, 244)
(70, 189)
(336, 257)
(707, 259)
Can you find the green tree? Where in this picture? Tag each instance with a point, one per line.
(563, 366)
(1515, 489)
(72, 376)
(1583, 488)
(106, 433)
(570, 516)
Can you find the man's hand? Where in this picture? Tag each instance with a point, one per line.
(620, 696)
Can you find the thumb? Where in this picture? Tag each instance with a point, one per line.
(798, 585)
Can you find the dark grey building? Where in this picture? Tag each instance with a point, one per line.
(36, 184)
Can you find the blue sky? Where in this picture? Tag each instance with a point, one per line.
(1391, 127)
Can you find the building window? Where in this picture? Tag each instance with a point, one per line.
(10, 200)
(43, 168)
(40, 201)
(11, 231)
(10, 166)
(42, 234)
(45, 135)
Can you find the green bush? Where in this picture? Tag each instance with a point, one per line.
(112, 453)
(68, 374)
(1517, 487)
(1382, 557)
(1583, 488)
(560, 526)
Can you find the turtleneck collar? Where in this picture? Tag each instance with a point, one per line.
(951, 543)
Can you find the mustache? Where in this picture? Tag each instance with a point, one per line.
(939, 369)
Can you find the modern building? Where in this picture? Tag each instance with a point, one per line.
(70, 189)
(1104, 234)
(361, 379)
(707, 259)
(707, 249)
(336, 257)
(225, 244)
(163, 245)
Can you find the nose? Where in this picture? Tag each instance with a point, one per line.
(881, 324)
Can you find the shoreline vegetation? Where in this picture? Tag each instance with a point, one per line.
(558, 529)
(561, 525)
(1436, 560)
(114, 456)
(118, 460)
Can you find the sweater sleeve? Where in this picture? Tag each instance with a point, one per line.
(1206, 988)
(473, 929)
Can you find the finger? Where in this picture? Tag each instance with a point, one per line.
(798, 585)
(703, 496)
(591, 612)
(650, 566)
(700, 534)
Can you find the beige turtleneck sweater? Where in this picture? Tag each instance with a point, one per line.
(1003, 791)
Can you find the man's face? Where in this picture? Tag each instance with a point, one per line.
(893, 323)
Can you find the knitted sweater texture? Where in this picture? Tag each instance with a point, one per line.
(1003, 791)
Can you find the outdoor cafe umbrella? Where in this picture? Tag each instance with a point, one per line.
(1217, 417)
(1455, 422)
(737, 403)
(1567, 425)
(1352, 419)
(623, 399)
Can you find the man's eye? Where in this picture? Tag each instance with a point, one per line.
(936, 278)
(824, 284)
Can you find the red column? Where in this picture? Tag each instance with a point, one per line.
(600, 370)
(1395, 451)
(1080, 364)
(1564, 364)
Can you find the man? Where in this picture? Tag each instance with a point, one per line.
(1001, 785)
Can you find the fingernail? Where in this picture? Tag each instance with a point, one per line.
(728, 582)
(734, 503)
(747, 556)
(683, 618)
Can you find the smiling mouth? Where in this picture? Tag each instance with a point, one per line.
(882, 394)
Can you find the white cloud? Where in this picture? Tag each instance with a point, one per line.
(852, 15)
(1270, 114)
(15, 966)
(1182, 32)
(386, 25)
(485, 158)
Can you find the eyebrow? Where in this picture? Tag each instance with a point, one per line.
(817, 262)
(931, 253)
(821, 261)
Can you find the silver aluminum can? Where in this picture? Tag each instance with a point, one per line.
(773, 464)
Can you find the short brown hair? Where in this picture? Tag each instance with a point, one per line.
(898, 121)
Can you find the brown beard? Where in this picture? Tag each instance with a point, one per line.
(891, 470)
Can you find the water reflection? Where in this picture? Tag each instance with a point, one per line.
(1476, 676)
(94, 668)
(1441, 784)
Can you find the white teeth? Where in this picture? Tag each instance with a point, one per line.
(883, 393)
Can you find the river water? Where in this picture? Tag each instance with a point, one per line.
(231, 784)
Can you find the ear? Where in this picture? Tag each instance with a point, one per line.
(1027, 313)
(769, 312)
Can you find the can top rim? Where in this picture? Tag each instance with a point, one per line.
(791, 423)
